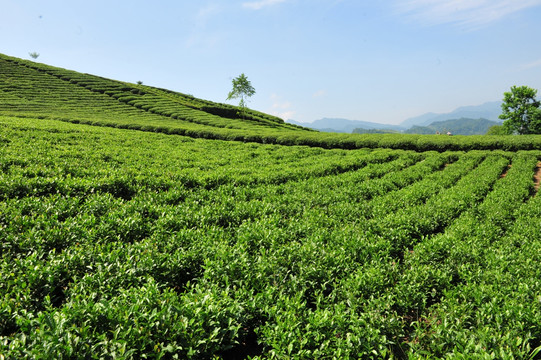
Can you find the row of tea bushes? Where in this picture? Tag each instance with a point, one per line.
(41, 91)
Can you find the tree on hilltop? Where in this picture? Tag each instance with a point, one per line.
(34, 55)
(521, 111)
(242, 88)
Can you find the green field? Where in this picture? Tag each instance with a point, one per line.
(137, 222)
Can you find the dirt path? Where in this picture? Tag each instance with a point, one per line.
(537, 177)
(504, 174)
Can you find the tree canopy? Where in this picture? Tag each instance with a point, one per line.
(497, 130)
(521, 111)
(242, 88)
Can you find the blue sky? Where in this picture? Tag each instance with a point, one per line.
(381, 61)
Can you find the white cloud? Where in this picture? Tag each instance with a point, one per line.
(286, 115)
(205, 14)
(281, 108)
(256, 5)
(466, 13)
(531, 65)
(319, 93)
(199, 36)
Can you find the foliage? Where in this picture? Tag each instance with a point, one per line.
(521, 111)
(29, 89)
(185, 249)
(497, 130)
(136, 222)
(34, 55)
(373, 131)
(463, 126)
(242, 88)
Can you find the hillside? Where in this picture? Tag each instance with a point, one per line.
(489, 110)
(29, 89)
(146, 226)
(463, 126)
(345, 125)
(134, 244)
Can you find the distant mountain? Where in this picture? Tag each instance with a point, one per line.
(345, 125)
(463, 126)
(374, 131)
(489, 110)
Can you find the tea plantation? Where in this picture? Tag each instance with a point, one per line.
(136, 222)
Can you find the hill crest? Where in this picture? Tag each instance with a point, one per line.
(33, 90)
(44, 87)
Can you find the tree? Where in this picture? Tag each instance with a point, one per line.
(497, 130)
(34, 55)
(521, 111)
(242, 88)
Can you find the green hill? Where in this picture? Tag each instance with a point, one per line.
(137, 223)
(29, 89)
(462, 126)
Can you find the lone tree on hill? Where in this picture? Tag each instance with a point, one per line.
(521, 111)
(242, 88)
(34, 55)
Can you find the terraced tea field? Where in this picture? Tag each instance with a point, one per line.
(121, 243)
(29, 89)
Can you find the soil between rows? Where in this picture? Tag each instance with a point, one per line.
(537, 177)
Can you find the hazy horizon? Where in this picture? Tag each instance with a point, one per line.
(399, 121)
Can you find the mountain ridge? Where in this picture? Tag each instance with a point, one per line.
(488, 110)
(462, 126)
(345, 125)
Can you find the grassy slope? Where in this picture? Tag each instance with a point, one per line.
(129, 244)
(135, 243)
(36, 90)
(30, 89)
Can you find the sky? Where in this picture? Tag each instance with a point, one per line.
(380, 61)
